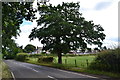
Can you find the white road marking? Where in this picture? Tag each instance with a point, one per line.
(52, 77)
(30, 68)
(13, 75)
(34, 70)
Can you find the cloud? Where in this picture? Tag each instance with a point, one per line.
(25, 32)
(110, 43)
(115, 39)
(108, 19)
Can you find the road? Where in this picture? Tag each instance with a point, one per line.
(23, 71)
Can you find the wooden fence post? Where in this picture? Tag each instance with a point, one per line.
(75, 63)
(65, 61)
(87, 62)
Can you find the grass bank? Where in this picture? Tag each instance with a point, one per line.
(5, 73)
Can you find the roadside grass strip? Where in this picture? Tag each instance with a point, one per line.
(6, 74)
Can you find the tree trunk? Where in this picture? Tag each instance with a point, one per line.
(59, 58)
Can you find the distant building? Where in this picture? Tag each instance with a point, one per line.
(39, 50)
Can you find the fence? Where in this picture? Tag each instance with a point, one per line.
(82, 63)
(78, 61)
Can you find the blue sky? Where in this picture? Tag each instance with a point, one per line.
(103, 5)
(26, 23)
(103, 12)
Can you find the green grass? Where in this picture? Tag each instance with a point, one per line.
(5, 73)
(4, 70)
(70, 61)
(79, 61)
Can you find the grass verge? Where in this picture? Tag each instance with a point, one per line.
(5, 74)
(97, 73)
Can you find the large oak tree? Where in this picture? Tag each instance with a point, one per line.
(63, 29)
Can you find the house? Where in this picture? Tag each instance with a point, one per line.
(39, 50)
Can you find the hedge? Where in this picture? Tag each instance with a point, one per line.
(107, 61)
(21, 56)
(45, 59)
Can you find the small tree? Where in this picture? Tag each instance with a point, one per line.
(29, 48)
(96, 49)
(104, 48)
(89, 50)
(64, 29)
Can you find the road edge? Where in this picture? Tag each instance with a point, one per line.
(12, 75)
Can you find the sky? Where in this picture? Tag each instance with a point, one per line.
(103, 12)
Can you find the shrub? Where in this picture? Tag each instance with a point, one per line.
(45, 59)
(21, 56)
(108, 60)
(34, 55)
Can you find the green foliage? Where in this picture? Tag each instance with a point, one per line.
(4, 71)
(65, 29)
(43, 53)
(35, 55)
(21, 56)
(108, 60)
(29, 48)
(13, 14)
(45, 59)
(10, 53)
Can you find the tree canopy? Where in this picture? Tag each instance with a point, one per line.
(63, 29)
(29, 48)
(13, 14)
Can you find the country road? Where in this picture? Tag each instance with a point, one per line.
(23, 71)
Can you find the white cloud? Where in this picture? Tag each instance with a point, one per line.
(108, 19)
(23, 39)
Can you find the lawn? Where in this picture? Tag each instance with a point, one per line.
(76, 61)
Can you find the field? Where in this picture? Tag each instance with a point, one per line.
(75, 61)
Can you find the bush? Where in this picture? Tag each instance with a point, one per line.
(108, 60)
(34, 55)
(21, 56)
(9, 56)
(45, 59)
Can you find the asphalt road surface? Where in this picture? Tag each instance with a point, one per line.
(26, 71)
